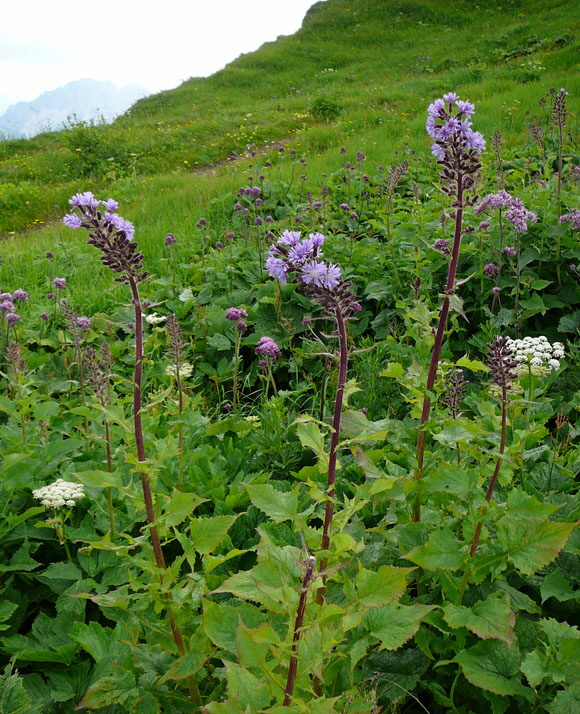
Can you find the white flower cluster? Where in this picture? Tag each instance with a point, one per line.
(60, 493)
(185, 370)
(155, 319)
(536, 352)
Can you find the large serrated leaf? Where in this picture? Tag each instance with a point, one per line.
(493, 666)
(441, 552)
(491, 618)
(380, 587)
(395, 624)
(279, 506)
(531, 543)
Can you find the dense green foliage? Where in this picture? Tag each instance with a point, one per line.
(435, 593)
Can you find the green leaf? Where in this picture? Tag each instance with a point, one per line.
(493, 666)
(394, 370)
(245, 688)
(6, 609)
(395, 624)
(119, 688)
(395, 673)
(279, 506)
(530, 543)
(456, 304)
(524, 505)
(536, 667)
(491, 618)
(208, 533)
(311, 438)
(382, 586)
(441, 552)
(460, 429)
(219, 342)
(13, 697)
(555, 585)
(473, 365)
(565, 702)
(99, 479)
(94, 639)
(180, 506)
(451, 479)
(220, 622)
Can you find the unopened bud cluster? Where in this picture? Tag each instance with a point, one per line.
(60, 493)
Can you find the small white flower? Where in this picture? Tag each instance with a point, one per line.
(155, 319)
(554, 364)
(60, 493)
(536, 361)
(185, 370)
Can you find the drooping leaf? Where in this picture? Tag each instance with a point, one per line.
(246, 689)
(490, 618)
(555, 585)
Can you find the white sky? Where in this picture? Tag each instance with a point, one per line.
(157, 43)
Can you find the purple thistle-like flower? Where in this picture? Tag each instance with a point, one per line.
(12, 318)
(442, 245)
(20, 295)
(6, 306)
(44, 316)
(59, 283)
(110, 205)
(84, 199)
(72, 221)
(236, 313)
(508, 250)
(465, 107)
(345, 206)
(170, 239)
(266, 347)
(491, 270)
(242, 327)
(83, 324)
(290, 238)
(277, 268)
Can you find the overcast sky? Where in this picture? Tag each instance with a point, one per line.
(46, 43)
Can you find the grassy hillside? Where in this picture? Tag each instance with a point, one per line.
(358, 73)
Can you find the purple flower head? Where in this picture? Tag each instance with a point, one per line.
(218, 245)
(289, 238)
(202, 222)
(84, 199)
(6, 306)
(170, 239)
(50, 296)
(12, 318)
(451, 131)
(518, 215)
(495, 290)
(464, 107)
(238, 207)
(345, 206)
(277, 268)
(319, 274)
(49, 255)
(508, 250)
(120, 224)
(44, 316)
(491, 270)
(266, 347)
(360, 156)
(573, 218)
(450, 97)
(83, 324)
(231, 235)
(442, 245)
(59, 283)
(110, 205)
(269, 219)
(241, 327)
(300, 252)
(353, 215)
(258, 221)
(317, 240)
(484, 224)
(72, 221)
(236, 313)
(259, 202)
(20, 295)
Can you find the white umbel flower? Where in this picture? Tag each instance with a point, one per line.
(60, 493)
(185, 370)
(537, 354)
(155, 319)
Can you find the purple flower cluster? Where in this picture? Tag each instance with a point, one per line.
(573, 218)
(515, 211)
(108, 232)
(236, 313)
(449, 123)
(491, 270)
(302, 256)
(8, 306)
(266, 347)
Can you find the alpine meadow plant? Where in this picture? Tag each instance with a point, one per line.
(456, 147)
(113, 236)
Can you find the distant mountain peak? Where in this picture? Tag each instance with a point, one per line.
(80, 100)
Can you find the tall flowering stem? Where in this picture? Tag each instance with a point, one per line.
(113, 236)
(301, 259)
(298, 622)
(456, 146)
